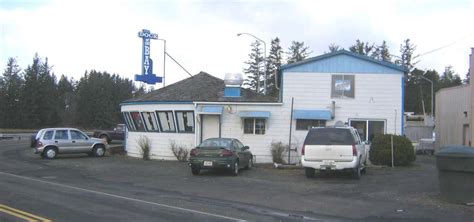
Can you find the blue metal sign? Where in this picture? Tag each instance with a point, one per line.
(147, 75)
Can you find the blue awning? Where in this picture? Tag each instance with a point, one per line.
(254, 114)
(211, 110)
(312, 114)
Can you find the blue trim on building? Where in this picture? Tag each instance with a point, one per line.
(403, 106)
(254, 114)
(154, 102)
(217, 110)
(232, 91)
(312, 114)
(343, 61)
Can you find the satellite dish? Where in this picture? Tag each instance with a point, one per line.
(235, 79)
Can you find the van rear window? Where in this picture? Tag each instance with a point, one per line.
(329, 136)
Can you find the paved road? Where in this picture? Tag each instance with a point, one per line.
(118, 188)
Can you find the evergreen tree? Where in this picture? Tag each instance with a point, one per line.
(363, 48)
(254, 71)
(274, 62)
(383, 52)
(449, 78)
(407, 50)
(467, 80)
(66, 101)
(297, 52)
(334, 48)
(10, 88)
(30, 96)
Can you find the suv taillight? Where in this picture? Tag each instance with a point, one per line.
(302, 151)
(354, 150)
(194, 152)
(39, 143)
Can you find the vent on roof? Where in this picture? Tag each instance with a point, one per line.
(233, 83)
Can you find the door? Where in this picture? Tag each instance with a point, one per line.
(80, 142)
(244, 155)
(61, 139)
(210, 126)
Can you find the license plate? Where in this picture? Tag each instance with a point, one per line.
(207, 163)
(329, 163)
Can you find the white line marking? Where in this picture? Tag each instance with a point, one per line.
(122, 197)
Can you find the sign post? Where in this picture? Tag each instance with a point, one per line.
(147, 75)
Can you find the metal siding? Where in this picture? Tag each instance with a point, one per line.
(232, 91)
(343, 64)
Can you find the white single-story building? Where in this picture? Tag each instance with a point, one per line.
(336, 87)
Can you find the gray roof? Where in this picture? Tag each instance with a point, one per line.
(202, 87)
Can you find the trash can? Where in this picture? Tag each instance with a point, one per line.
(456, 173)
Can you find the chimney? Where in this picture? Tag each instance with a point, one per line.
(233, 83)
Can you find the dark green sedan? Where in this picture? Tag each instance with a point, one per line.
(220, 153)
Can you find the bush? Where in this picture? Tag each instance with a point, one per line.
(380, 150)
(278, 148)
(180, 152)
(145, 147)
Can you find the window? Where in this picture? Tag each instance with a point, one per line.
(150, 121)
(76, 135)
(342, 86)
(306, 124)
(166, 121)
(367, 129)
(330, 136)
(137, 120)
(129, 122)
(48, 135)
(185, 121)
(61, 135)
(254, 126)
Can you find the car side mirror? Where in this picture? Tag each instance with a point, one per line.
(245, 148)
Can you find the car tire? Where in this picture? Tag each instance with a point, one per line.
(357, 171)
(235, 169)
(50, 153)
(98, 151)
(105, 138)
(309, 172)
(249, 164)
(195, 171)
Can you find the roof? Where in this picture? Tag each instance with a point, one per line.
(348, 53)
(202, 87)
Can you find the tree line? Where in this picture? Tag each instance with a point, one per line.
(260, 71)
(34, 98)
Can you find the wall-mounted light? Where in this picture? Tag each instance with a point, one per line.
(465, 114)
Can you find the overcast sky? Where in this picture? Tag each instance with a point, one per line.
(202, 35)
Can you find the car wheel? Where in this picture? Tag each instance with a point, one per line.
(98, 151)
(50, 153)
(105, 138)
(235, 169)
(249, 164)
(195, 171)
(309, 172)
(357, 171)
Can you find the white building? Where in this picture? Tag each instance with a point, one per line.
(340, 86)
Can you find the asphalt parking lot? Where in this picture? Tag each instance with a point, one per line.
(116, 187)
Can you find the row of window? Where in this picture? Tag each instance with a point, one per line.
(160, 121)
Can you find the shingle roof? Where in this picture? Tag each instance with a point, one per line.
(202, 87)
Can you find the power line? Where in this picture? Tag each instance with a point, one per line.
(444, 46)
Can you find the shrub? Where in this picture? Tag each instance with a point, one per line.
(278, 148)
(380, 150)
(180, 152)
(145, 147)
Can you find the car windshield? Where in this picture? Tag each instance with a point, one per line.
(216, 143)
(329, 136)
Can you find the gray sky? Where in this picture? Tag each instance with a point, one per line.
(202, 35)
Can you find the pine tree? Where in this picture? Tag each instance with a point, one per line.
(274, 62)
(254, 72)
(383, 52)
(407, 50)
(297, 52)
(66, 101)
(30, 96)
(10, 88)
(364, 48)
(334, 48)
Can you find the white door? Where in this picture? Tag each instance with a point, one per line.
(210, 126)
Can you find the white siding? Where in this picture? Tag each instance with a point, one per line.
(377, 96)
